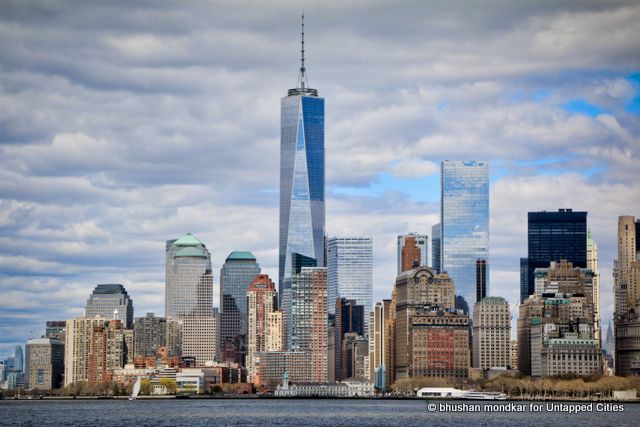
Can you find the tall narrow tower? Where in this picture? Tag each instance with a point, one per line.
(301, 176)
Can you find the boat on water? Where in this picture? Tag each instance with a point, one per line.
(454, 393)
(484, 395)
(136, 389)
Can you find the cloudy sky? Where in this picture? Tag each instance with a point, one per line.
(125, 125)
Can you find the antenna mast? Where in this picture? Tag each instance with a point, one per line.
(303, 70)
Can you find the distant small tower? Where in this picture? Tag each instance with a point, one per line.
(285, 380)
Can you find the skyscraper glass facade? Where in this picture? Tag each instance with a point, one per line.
(436, 247)
(350, 270)
(112, 302)
(554, 236)
(464, 218)
(302, 181)
(237, 273)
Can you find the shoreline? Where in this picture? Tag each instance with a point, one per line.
(257, 397)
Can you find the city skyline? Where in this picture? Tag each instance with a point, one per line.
(94, 181)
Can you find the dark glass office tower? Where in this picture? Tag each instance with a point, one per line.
(302, 181)
(554, 236)
(481, 279)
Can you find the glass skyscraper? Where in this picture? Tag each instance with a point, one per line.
(302, 180)
(237, 273)
(107, 299)
(554, 236)
(436, 247)
(464, 219)
(350, 270)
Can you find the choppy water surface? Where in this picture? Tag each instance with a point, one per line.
(266, 412)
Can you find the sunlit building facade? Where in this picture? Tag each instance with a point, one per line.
(350, 270)
(465, 222)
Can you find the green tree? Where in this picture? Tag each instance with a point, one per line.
(169, 384)
(145, 387)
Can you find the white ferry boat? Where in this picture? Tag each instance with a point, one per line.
(484, 395)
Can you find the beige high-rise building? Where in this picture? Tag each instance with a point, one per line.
(261, 301)
(380, 349)
(77, 347)
(592, 264)
(44, 363)
(624, 298)
(309, 319)
(491, 333)
(626, 275)
(189, 297)
(275, 331)
(514, 355)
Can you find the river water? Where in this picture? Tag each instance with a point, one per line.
(267, 412)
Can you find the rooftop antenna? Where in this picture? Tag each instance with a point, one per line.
(303, 75)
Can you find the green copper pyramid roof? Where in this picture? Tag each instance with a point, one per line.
(188, 240)
(191, 251)
(241, 255)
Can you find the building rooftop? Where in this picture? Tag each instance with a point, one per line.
(241, 255)
(188, 240)
(109, 288)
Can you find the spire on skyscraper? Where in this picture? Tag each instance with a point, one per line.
(303, 83)
(303, 75)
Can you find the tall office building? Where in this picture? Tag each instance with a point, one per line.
(189, 297)
(554, 236)
(491, 333)
(77, 347)
(431, 337)
(592, 264)
(464, 218)
(302, 176)
(626, 285)
(350, 270)
(19, 359)
(297, 263)
(111, 300)
(380, 346)
(44, 363)
(481, 279)
(349, 318)
(524, 279)
(261, 302)
(236, 274)
(436, 247)
(309, 319)
(412, 251)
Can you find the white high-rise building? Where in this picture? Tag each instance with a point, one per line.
(592, 264)
(491, 333)
(350, 270)
(412, 248)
